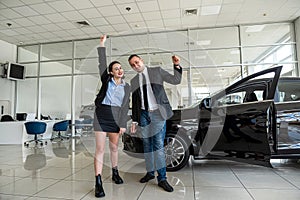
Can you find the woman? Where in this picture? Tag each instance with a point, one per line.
(112, 104)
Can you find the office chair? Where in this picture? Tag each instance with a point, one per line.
(7, 118)
(58, 127)
(35, 128)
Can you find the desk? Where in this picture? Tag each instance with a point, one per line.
(15, 132)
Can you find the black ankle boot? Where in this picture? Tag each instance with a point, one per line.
(115, 176)
(99, 192)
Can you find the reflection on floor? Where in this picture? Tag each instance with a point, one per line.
(64, 170)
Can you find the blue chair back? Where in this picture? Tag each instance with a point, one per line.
(34, 128)
(61, 126)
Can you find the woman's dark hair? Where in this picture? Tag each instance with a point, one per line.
(112, 64)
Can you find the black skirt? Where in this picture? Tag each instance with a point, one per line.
(106, 118)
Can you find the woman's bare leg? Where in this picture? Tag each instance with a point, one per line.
(99, 152)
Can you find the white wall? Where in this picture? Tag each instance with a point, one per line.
(8, 52)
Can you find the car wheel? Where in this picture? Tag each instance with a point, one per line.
(176, 151)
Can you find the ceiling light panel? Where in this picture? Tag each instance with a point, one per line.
(210, 10)
(203, 42)
(253, 29)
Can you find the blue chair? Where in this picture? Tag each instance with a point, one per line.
(58, 127)
(35, 128)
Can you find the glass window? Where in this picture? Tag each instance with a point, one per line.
(28, 53)
(287, 69)
(31, 69)
(27, 96)
(265, 34)
(210, 62)
(86, 89)
(88, 48)
(233, 98)
(126, 45)
(268, 54)
(56, 51)
(56, 97)
(214, 38)
(215, 57)
(56, 68)
(168, 41)
(207, 80)
(289, 90)
(87, 65)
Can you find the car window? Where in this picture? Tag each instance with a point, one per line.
(241, 97)
(289, 91)
(233, 98)
(259, 94)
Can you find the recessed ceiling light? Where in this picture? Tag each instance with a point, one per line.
(210, 10)
(255, 28)
(203, 42)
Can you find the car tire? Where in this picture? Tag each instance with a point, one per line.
(176, 151)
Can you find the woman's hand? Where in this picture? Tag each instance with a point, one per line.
(122, 130)
(102, 40)
(176, 61)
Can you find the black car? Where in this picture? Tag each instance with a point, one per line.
(252, 120)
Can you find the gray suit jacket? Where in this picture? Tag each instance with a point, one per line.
(157, 77)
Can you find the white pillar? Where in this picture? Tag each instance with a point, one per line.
(297, 37)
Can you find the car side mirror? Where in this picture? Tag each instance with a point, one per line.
(206, 103)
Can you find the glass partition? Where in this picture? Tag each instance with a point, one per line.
(215, 57)
(86, 65)
(28, 53)
(268, 54)
(132, 44)
(27, 96)
(212, 59)
(56, 51)
(213, 38)
(31, 69)
(56, 97)
(56, 68)
(88, 48)
(265, 34)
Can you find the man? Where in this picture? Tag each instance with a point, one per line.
(150, 110)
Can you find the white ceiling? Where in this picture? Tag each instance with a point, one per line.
(39, 21)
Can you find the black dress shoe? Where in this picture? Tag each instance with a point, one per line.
(166, 186)
(147, 178)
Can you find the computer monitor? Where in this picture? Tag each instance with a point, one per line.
(21, 116)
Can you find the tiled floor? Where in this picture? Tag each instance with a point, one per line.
(65, 171)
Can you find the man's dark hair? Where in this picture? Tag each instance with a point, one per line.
(133, 55)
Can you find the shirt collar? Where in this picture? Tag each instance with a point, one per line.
(122, 82)
(145, 72)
